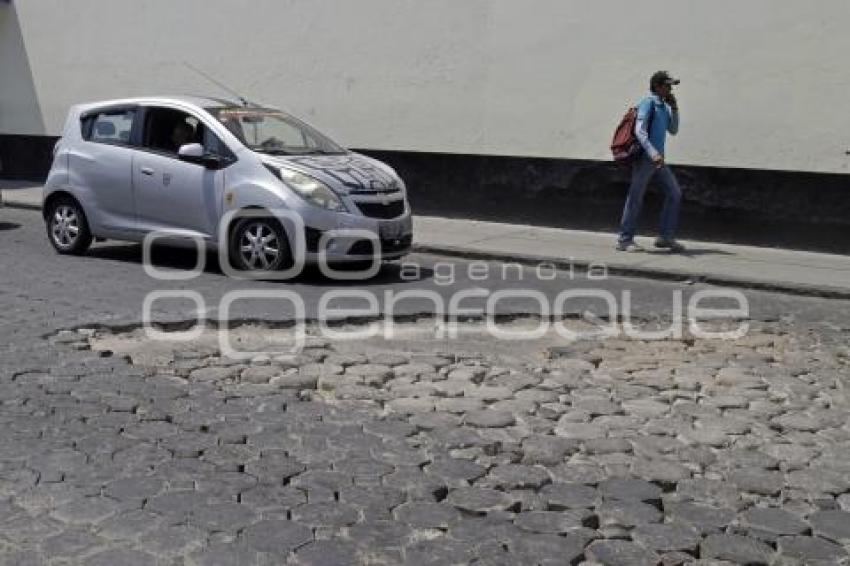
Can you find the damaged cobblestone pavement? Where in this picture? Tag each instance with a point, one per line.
(615, 451)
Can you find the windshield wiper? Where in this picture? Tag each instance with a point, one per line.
(320, 152)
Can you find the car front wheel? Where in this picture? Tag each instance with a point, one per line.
(67, 227)
(259, 244)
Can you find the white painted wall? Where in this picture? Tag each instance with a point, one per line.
(765, 82)
(19, 110)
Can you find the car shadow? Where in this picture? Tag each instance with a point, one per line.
(186, 259)
(8, 226)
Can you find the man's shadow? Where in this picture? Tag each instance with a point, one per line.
(690, 252)
(8, 226)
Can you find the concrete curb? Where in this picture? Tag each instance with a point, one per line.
(640, 272)
(19, 204)
(20, 198)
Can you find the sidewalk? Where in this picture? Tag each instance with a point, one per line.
(798, 272)
(20, 194)
(806, 273)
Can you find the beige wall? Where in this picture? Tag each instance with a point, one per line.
(19, 109)
(765, 82)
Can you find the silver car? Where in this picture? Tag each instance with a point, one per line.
(256, 180)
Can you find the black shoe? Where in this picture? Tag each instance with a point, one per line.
(672, 245)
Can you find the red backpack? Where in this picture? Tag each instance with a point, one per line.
(625, 145)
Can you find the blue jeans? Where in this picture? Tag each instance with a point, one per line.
(642, 171)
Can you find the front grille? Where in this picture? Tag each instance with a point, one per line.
(392, 209)
(360, 190)
(388, 246)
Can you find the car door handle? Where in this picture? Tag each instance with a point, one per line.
(146, 171)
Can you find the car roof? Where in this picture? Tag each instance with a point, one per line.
(192, 100)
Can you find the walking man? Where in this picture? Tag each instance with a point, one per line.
(657, 114)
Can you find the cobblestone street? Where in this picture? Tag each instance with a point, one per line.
(612, 452)
(117, 450)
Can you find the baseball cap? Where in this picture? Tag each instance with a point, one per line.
(662, 78)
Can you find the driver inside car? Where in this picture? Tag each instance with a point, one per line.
(182, 134)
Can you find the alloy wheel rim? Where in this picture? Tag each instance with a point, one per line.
(66, 226)
(259, 246)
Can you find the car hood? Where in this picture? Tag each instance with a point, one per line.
(348, 173)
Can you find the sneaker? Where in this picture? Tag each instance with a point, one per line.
(672, 245)
(630, 246)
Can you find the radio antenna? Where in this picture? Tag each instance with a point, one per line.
(245, 102)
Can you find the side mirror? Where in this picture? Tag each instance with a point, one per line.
(191, 152)
(194, 153)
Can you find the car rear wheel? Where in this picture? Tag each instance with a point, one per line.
(259, 244)
(67, 227)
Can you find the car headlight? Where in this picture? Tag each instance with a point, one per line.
(312, 190)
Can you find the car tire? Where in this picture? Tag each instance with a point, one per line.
(67, 227)
(259, 244)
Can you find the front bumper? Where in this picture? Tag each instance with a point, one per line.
(352, 248)
(350, 237)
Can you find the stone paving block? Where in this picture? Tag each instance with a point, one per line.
(330, 514)
(811, 549)
(489, 418)
(547, 549)
(513, 476)
(552, 522)
(453, 470)
(627, 514)
(230, 517)
(832, 524)
(125, 557)
(129, 526)
(561, 496)
(277, 536)
(704, 518)
(627, 489)
(87, 511)
(620, 553)
(422, 515)
(480, 500)
(666, 537)
(578, 430)
(760, 482)
(72, 545)
(171, 541)
(737, 549)
(769, 523)
(332, 552)
(224, 554)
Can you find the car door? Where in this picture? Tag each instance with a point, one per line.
(101, 169)
(171, 194)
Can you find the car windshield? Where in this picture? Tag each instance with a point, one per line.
(273, 132)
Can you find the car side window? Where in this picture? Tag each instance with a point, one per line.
(109, 126)
(214, 146)
(167, 129)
